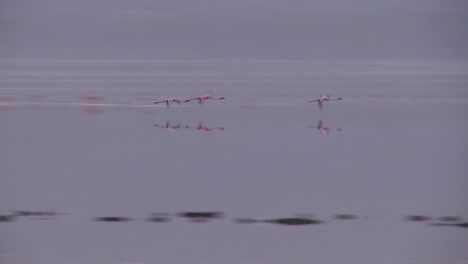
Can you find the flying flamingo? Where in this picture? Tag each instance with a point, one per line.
(324, 98)
(324, 130)
(168, 126)
(204, 97)
(202, 128)
(169, 101)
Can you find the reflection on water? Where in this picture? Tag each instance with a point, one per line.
(323, 129)
(201, 127)
(205, 129)
(168, 126)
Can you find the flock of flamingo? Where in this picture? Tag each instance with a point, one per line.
(322, 129)
(325, 130)
(200, 99)
(209, 96)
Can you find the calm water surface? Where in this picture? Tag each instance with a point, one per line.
(400, 150)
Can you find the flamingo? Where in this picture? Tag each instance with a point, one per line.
(324, 98)
(168, 126)
(202, 128)
(169, 101)
(204, 97)
(324, 130)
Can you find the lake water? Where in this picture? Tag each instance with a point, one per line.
(82, 139)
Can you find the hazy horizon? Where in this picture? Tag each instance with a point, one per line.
(234, 30)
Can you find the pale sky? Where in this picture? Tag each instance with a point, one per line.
(227, 29)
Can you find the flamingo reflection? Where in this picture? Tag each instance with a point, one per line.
(168, 126)
(324, 130)
(204, 129)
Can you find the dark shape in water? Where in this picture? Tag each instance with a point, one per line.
(200, 216)
(35, 213)
(246, 220)
(345, 216)
(294, 221)
(463, 225)
(417, 218)
(450, 218)
(158, 218)
(112, 219)
(7, 218)
(23, 213)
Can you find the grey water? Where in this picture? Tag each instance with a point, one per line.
(83, 139)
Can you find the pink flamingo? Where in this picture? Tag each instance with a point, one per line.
(324, 98)
(169, 101)
(202, 128)
(168, 126)
(204, 97)
(324, 130)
